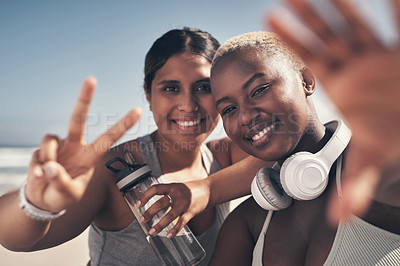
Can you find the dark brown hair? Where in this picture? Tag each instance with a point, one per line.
(175, 42)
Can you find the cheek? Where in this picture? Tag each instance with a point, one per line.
(160, 108)
(231, 129)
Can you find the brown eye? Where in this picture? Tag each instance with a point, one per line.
(171, 88)
(228, 110)
(206, 88)
(259, 90)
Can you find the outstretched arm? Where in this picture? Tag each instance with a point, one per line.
(362, 78)
(191, 198)
(58, 175)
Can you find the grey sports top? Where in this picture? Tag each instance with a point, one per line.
(129, 245)
(356, 243)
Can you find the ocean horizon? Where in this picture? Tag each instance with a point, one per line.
(14, 161)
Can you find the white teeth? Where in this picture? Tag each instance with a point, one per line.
(260, 134)
(188, 123)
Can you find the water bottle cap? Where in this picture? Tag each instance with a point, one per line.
(130, 175)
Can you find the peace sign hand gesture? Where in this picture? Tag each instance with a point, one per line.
(61, 169)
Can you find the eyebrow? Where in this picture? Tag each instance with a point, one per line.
(244, 86)
(177, 81)
(203, 80)
(217, 102)
(162, 82)
(252, 79)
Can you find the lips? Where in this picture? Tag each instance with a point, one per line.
(188, 123)
(262, 132)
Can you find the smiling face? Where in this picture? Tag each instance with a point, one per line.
(262, 101)
(181, 99)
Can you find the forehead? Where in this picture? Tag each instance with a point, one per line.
(237, 67)
(250, 59)
(185, 65)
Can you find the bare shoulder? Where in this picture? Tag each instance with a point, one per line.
(248, 217)
(226, 151)
(253, 214)
(132, 147)
(239, 234)
(114, 207)
(120, 151)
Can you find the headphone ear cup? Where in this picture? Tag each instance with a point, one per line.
(267, 192)
(304, 176)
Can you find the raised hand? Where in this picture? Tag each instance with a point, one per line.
(61, 169)
(362, 78)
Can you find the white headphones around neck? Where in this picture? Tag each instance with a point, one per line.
(302, 176)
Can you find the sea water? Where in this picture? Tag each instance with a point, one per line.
(14, 162)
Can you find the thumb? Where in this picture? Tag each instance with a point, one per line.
(60, 179)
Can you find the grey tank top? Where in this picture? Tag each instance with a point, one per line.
(356, 242)
(129, 245)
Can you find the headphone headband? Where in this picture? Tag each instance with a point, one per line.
(337, 143)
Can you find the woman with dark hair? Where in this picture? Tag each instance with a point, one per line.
(263, 91)
(177, 87)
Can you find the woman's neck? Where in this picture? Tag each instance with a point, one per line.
(175, 157)
(314, 138)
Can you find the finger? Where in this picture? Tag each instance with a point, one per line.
(358, 35)
(165, 221)
(46, 194)
(182, 221)
(303, 42)
(396, 10)
(62, 184)
(357, 194)
(78, 118)
(35, 168)
(276, 23)
(159, 189)
(312, 19)
(48, 149)
(107, 139)
(359, 179)
(161, 204)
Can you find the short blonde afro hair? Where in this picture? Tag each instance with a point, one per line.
(264, 42)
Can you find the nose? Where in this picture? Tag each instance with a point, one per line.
(248, 115)
(188, 103)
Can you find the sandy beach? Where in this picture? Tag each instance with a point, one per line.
(74, 252)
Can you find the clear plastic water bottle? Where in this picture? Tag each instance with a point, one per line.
(132, 180)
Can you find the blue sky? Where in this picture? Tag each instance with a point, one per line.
(47, 48)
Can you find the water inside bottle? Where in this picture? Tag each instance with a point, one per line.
(183, 249)
(177, 250)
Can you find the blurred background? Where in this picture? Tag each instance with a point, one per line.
(48, 48)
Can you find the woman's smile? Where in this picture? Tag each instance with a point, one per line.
(189, 125)
(262, 133)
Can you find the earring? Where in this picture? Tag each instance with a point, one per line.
(196, 108)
